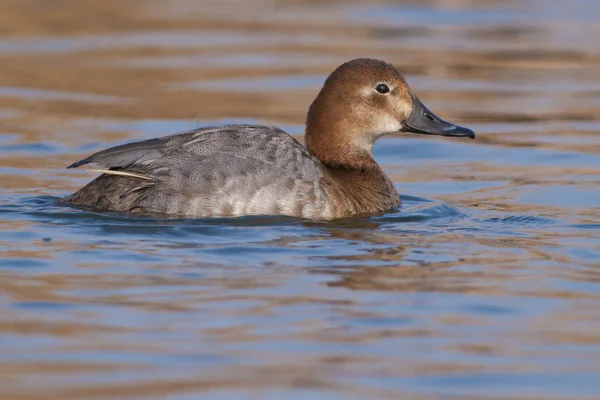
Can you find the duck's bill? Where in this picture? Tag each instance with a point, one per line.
(423, 121)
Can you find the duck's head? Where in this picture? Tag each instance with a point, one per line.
(361, 101)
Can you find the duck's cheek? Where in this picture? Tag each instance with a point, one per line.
(385, 124)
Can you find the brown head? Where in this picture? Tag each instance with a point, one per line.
(361, 101)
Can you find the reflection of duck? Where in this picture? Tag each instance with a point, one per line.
(238, 170)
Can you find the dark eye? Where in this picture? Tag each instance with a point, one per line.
(382, 88)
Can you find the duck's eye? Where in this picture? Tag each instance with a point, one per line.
(382, 88)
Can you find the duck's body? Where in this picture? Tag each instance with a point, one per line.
(237, 170)
(231, 170)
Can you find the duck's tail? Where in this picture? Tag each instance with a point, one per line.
(112, 191)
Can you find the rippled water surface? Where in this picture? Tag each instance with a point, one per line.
(485, 285)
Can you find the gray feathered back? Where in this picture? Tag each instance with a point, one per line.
(226, 170)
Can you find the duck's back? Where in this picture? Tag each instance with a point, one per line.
(229, 170)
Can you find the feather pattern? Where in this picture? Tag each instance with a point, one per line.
(229, 170)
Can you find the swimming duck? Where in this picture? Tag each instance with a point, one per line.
(237, 170)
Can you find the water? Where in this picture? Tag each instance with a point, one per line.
(484, 285)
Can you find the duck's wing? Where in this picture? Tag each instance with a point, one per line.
(227, 170)
(142, 153)
(224, 148)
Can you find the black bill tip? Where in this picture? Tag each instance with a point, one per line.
(458, 131)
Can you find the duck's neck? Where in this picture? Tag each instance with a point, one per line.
(359, 191)
(354, 181)
(336, 151)
(332, 135)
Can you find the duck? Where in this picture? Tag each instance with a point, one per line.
(242, 170)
